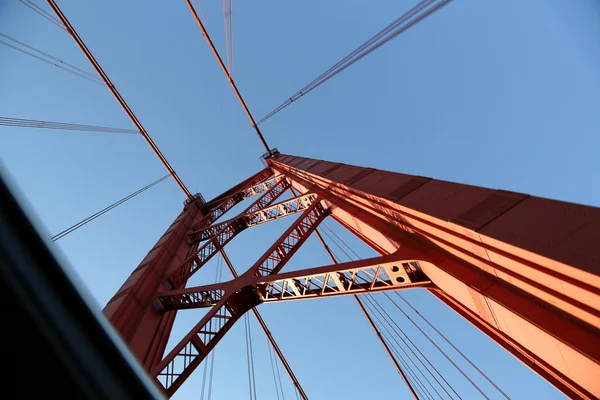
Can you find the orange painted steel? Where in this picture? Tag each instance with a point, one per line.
(131, 310)
(523, 269)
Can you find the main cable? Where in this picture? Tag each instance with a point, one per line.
(34, 123)
(227, 75)
(92, 217)
(398, 26)
(118, 96)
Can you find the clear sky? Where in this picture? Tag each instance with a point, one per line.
(502, 94)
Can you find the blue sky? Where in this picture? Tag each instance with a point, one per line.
(500, 94)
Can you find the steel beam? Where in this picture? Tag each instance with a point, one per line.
(204, 253)
(257, 216)
(391, 272)
(185, 357)
(131, 312)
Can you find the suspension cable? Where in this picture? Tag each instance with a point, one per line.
(270, 337)
(43, 13)
(227, 75)
(92, 217)
(391, 31)
(231, 37)
(12, 39)
(343, 242)
(50, 62)
(414, 346)
(227, 52)
(337, 245)
(452, 345)
(273, 370)
(395, 344)
(250, 359)
(430, 340)
(332, 255)
(432, 326)
(280, 382)
(400, 334)
(118, 96)
(209, 370)
(212, 360)
(33, 123)
(437, 347)
(204, 374)
(399, 368)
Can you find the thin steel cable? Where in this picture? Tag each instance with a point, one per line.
(32, 123)
(280, 382)
(12, 39)
(231, 36)
(43, 13)
(118, 97)
(407, 337)
(273, 370)
(413, 379)
(204, 374)
(356, 56)
(411, 12)
(211, 360)
(218, 277)
(414, 346)
(343, 242)
(451, 344)
(226, 36)
(227, 75)
(437, 347)
(433, 327)
(396, 345)
(251, 355)
(248, 358)
(337, 245)
(387, 318)
(92, 217)
(48, 62)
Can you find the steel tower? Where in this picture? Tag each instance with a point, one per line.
(522, 269)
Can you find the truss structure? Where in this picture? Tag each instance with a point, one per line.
(487, 254)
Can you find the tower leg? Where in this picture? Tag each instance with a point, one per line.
(523, 269)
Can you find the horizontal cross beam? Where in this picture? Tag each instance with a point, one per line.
(256, 217)
(220, 238)
(374, 274)
(215, 209)
(176, 367)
